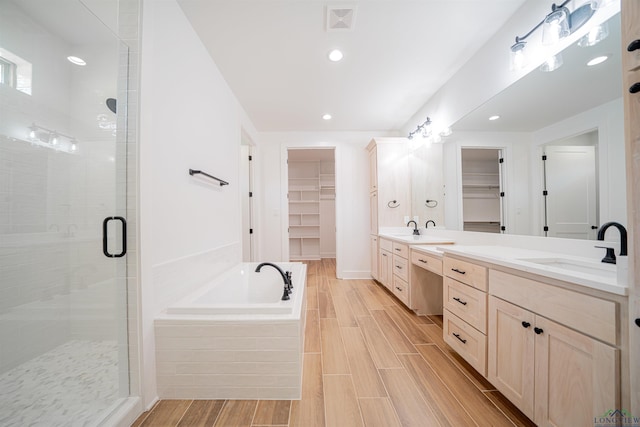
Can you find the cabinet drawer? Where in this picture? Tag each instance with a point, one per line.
(465, 272)
(401, 268)
(401, 250)
(401, 290)
(468, 303)
(427, 262)
(387, 245)
(467, 341)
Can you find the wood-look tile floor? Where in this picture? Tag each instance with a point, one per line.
(368, 361)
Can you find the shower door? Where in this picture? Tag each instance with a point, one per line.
(63, 313)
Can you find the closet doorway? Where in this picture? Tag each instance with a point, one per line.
(312, 203)
(482, 190)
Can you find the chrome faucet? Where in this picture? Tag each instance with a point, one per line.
(416, 232)
(610, 257)
(430, 221)
(286, 277)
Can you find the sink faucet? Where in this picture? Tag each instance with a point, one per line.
(416, 232)
(286, 277)
(430, 221)
(610, 257)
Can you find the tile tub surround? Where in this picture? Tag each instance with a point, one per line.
(231, 357)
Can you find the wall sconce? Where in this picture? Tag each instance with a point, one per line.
(43, 137)
(555, 26)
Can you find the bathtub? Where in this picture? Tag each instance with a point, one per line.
(242, 291)
(234, 338)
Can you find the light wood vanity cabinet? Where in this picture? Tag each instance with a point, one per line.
(465, 310)
(401, 272)
(385, 266)
(552, 373)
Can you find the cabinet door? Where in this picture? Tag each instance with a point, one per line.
(373, 212)
(576, 376)
(374, 257)
(373, 170)
(511, 353)
(386, 268)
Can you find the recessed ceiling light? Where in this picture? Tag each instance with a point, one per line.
(326, 117)
(597, 60)
(492, 118)
(76, 60)
(335, 55)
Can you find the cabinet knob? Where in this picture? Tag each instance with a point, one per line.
(526, 324)
(538, 331)
(635, 88)
(634, 45)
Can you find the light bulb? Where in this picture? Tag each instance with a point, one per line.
(518, 58)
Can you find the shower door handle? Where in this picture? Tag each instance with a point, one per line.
(105, 237)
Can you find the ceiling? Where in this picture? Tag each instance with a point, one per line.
(273, 54)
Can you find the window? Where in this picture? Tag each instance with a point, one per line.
(15, 72)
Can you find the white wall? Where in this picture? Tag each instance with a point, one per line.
(189, 119)
(352, 195)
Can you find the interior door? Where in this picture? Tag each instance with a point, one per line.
(571, 200)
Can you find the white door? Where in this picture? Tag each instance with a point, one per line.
(571, 191)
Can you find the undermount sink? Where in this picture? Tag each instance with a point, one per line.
(596, 269)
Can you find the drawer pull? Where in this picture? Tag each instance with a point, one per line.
(459, 300)
(525, 324)
(635, 88)
(400, 289)
(458, 271)
(384, 254)
(538, 331)
(398, 267)
(634, 45)
(423, 261)
(458, 336)
(637, 322)
(398, 249)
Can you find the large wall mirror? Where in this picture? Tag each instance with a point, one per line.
(573, 119)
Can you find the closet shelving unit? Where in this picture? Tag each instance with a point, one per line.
(481, 204)
(309, 190)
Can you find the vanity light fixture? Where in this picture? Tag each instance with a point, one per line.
(552, 63)
(597, 60)
(43, 137)
(335, 55)
(419, 129)
(555, 26)
(76, 60)
(594, 36)
(326, 117)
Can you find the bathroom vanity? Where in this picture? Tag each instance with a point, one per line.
(549, 331)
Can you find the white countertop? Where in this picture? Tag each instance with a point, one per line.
(432, 250)
(416, 240)
(563, 267)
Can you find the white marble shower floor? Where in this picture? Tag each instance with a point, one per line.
(71, 385)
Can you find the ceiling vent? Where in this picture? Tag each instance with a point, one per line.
(340, 18)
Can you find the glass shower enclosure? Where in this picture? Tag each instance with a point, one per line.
(63, 264)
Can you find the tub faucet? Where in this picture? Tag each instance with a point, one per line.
(610, 257)
(416, 232)
(430, 221)
(286, 277)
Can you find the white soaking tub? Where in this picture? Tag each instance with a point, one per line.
(234, 338)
